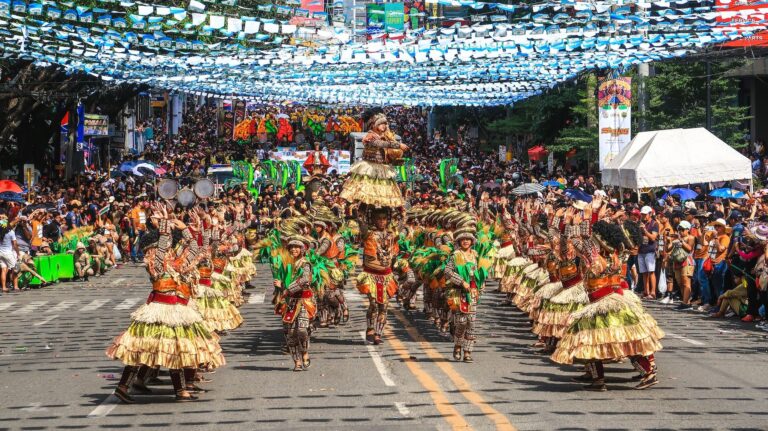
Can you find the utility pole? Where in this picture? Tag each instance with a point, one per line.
(643, 71)
(709, 96)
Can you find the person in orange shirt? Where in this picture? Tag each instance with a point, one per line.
(718, 248)
(139, 227)
(37, 218)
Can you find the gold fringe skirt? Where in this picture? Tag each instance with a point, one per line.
(555, 313)
(542, 295)
(610, 328)
(218, 313)
(372, 184)
(153, 343)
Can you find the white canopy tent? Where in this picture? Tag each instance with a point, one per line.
(675, 157)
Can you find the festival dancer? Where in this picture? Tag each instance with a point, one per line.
(377, 281)
(614, 324)
(166, 331)
(219, 314)
(466, 274)
(371, 187)
(297, 304)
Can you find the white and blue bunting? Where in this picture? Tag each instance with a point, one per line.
(262, 54)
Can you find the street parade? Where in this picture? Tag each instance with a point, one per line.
(332, 215)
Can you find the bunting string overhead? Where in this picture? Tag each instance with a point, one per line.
(268, 53)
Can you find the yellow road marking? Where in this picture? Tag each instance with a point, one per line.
(501, 421)
(443, 405)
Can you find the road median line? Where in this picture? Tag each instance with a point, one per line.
(442, 403)
(501, 421)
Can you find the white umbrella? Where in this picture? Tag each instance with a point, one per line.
(527, 189)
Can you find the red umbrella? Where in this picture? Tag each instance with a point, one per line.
(10, 186)
(537, 152)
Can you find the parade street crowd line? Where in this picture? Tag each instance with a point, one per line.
(427, 388)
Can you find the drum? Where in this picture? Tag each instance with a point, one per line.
(186, 197)
(204, 188)
(167, 189)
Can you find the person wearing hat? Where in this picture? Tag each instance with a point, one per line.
(466, 279)
(82, 260)
(297, 303)
(166, 332)
(614, 324)
(380, 249)
(679, 249)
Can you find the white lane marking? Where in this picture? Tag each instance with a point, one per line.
(6, 306)
(105, 407)
(379, 363)
(256, 298)
(63, 305)
(687, 340)
(117, 281)
(127, 303)
(34, 407)
(94, 305)
(32, 306)
(48, 319)
(402, 408)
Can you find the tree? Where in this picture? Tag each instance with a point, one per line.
(677, 99)
(582, 132)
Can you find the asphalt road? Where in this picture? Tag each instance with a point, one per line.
(54, 375)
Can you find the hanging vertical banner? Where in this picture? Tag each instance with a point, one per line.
(239, 112)
(228, 120)
(614, 106)
(80, 125)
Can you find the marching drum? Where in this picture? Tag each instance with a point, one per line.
(167, 189)
(204, 188)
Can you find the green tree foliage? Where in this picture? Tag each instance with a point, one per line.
(677, 99)
(537, 120)
(582, 131)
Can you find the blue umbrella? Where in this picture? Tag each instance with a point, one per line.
(684, 194)
(727, 193)
(11, 197)
(551, 183)
(579, 195)
(127, 166)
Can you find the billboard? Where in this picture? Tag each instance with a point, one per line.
(614, 109)
(341, 161)
(740, 15)
(96, 125)
(313, 5)
(385, 18)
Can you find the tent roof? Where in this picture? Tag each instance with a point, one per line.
(676, 157)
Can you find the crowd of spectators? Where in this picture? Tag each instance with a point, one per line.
(701, 254)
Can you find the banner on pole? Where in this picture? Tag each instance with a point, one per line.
(614, 108)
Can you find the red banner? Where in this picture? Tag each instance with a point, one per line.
(743, 14)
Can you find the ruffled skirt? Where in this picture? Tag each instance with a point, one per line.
(218, 313)
(610, 328)
(372, 184)
(170, 336)
(555, 312)
(541, 295)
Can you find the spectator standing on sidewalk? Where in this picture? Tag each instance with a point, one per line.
(666, 235)
(680, 250)
(757, 287)
(718, 250)
(646, 257)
